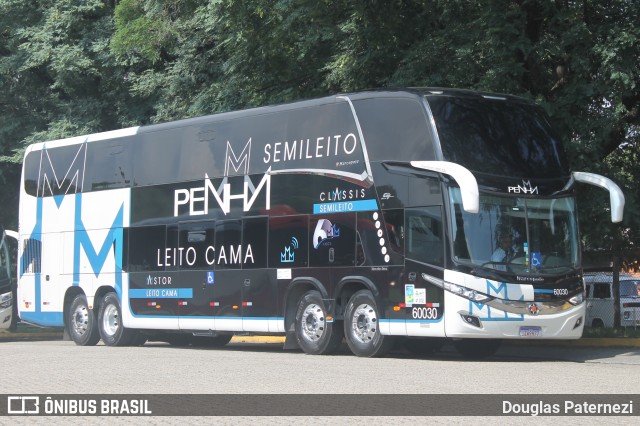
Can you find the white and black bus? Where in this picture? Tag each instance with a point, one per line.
(367, 216)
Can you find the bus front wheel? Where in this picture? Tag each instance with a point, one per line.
(362, 328)
(112, 330)
(315, 333)
(81, 322)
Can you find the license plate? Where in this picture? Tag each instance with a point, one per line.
(530, 331)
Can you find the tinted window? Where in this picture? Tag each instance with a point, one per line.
(254, 243)
(147, 251)
(60, 172)
(31, 170)
(380, 239)
(288, 241)
(194, 240)
(498, 137)
(229, 251)
(109, 165)
(395, 129)
(332, 240)
(424, 235)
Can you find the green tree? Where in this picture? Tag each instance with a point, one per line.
(72, 66)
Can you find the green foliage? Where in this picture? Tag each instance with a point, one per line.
(77, 66)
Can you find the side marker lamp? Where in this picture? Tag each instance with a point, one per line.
(577, 299)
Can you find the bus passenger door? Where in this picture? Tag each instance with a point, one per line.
(424, 249)
(50, 278)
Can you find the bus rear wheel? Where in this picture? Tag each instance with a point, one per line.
(361, 327)
(112, 330)
(81, 323)
(316, 335)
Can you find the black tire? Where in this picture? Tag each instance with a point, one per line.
(477, 348)
(81, 323)
(361, 327)
(112, 331)
(424, 345)
(316, 335)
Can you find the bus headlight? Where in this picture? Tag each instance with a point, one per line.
(467, 293)
(459, 290)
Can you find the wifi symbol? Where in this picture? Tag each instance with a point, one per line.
(294, 242)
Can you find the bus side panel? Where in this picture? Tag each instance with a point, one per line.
(91, 255)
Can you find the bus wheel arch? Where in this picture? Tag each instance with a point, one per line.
(349, 286)
(80, 320)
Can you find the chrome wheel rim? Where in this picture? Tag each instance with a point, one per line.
(80, 320)
(313, 323)
(110, 320)
(364, 323)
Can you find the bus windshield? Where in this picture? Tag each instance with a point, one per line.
(516, 235)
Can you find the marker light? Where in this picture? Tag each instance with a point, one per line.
(577, 299)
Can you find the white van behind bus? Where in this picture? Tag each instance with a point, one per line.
(600, 301)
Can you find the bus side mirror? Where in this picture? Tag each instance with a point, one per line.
(616, 197)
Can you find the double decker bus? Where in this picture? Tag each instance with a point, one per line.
(369, 216)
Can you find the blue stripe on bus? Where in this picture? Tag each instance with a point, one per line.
(345, 206)
(542, 290)
(50, 319)
(163, 293)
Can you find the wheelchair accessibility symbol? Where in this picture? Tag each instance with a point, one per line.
(210, 279)
(536, 258)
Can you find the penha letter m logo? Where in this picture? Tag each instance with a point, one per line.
(236, 161)
(62, 170)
